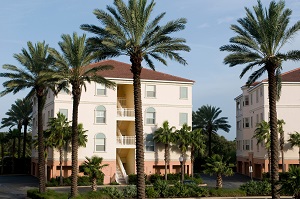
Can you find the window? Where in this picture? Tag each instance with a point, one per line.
(251, 145)
(247, 145)
(238, 125)
(149, 142)
(100, 89)
(52, 113)
(251, 98)
(238, 105)
(183, 118)
(64, 112)
(100, 141)
(150, 116)
(183, 92)
(251, 121)
(257, 119)
(150, 91)
(261, 116)
(243, 144)
(100, 115)
(257, 96)
(261, 91)
(246, 100)
(246, 122)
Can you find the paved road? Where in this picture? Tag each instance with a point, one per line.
(15, 186)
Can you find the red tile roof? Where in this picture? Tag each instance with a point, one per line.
(122, 70)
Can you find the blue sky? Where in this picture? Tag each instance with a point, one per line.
(207, 29)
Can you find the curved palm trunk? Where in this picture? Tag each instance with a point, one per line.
(41, 154)
(94, 184)
(136, 69)
(60, 165)
(166, 161)
(76, 100)
(274, 133)
(219, 181)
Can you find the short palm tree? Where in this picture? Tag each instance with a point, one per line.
(128, 30)
(290, 185)
(295, 141)
(92, 167)
(280, 124)
(37, 75)
(207, 118)
(262, 135)
(165, 136)
(72, 64)
(259, 38)
(217, 166)
(59, 134)
(197, 146)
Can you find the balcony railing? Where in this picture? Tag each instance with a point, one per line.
(126, 140)
(125, 112)
(121, 101)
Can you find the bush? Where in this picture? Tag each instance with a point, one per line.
(226, 193)
(82, 181)
(113, 192)
(49, 194)
(257, 188)
(154, 177)
(174, 176)
(161, 186)
(132, 179)
(130, 191)
(151, 192)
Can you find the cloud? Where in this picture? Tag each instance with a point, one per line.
(225, 20)
(204, 25)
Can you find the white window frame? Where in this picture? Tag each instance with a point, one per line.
(246, 122)
(150, 91)
(102, 89)
(149, 143)
(150, 116)
(246, 100)
(183, 118)
(100, 115)
(100, 140)
(183, 92)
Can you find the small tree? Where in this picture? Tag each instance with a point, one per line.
(216, 165)
(92, 167)
(290, 185)
(295, 141)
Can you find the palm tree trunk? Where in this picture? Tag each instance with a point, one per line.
(13, 155)
(269, 166)
(94, 184)
(2, 157)
(166, 161)
(274, 132)
(60, 165)
(24, 140)
(192, 161)
(19, 139)
(136, 69)
(76, 99)
(219, 181)
(282, 160)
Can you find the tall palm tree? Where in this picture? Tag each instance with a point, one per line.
(262, 135)
(260, 37)
(128, 30)
(59, 134)
(295, 141)
(13, 135)
(216, 165)
(72, 64)
(92, 167)
(197, 146)
(165, 136)
(207, 118)
(280, 124)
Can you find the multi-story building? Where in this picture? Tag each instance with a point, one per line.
(108, 115)
(252, 107)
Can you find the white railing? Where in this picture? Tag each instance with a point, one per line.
(126, 140)
(121, 101)
(119, 162)
(125, 112)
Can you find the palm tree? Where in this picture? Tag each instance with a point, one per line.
(127, 30)
(290, 184)
(165, 135)
(72, 67)
(92, 167)
(260, 37)
(280, 124)
(59, 134)
(216, 165)
(13, 135)
(262, 135)
(197, 146)
(295, 141)
(3, 141)
(37, 75)
(82, 137)
(207, 118)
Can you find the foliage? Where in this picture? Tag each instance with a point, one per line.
(257, 188)
(161, 186)
(151, 192)
(82, 181)
(291, 184)
(112, 192)
(130, 191)
(132, 179)
(93, 166)
(226, 193)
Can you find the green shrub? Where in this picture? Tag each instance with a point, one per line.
(151, 192)
(154, 177)
(174, 176)
(132, 179)
(113, 192)
(130, 191)
(257, 188)
(196, 191)
(161, 186)
(183, 190)
(226, 193)
(49, 194)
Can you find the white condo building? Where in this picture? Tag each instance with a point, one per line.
(252, 106)
(108, 115)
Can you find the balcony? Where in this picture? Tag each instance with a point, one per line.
(125, 114)
(125, 141)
